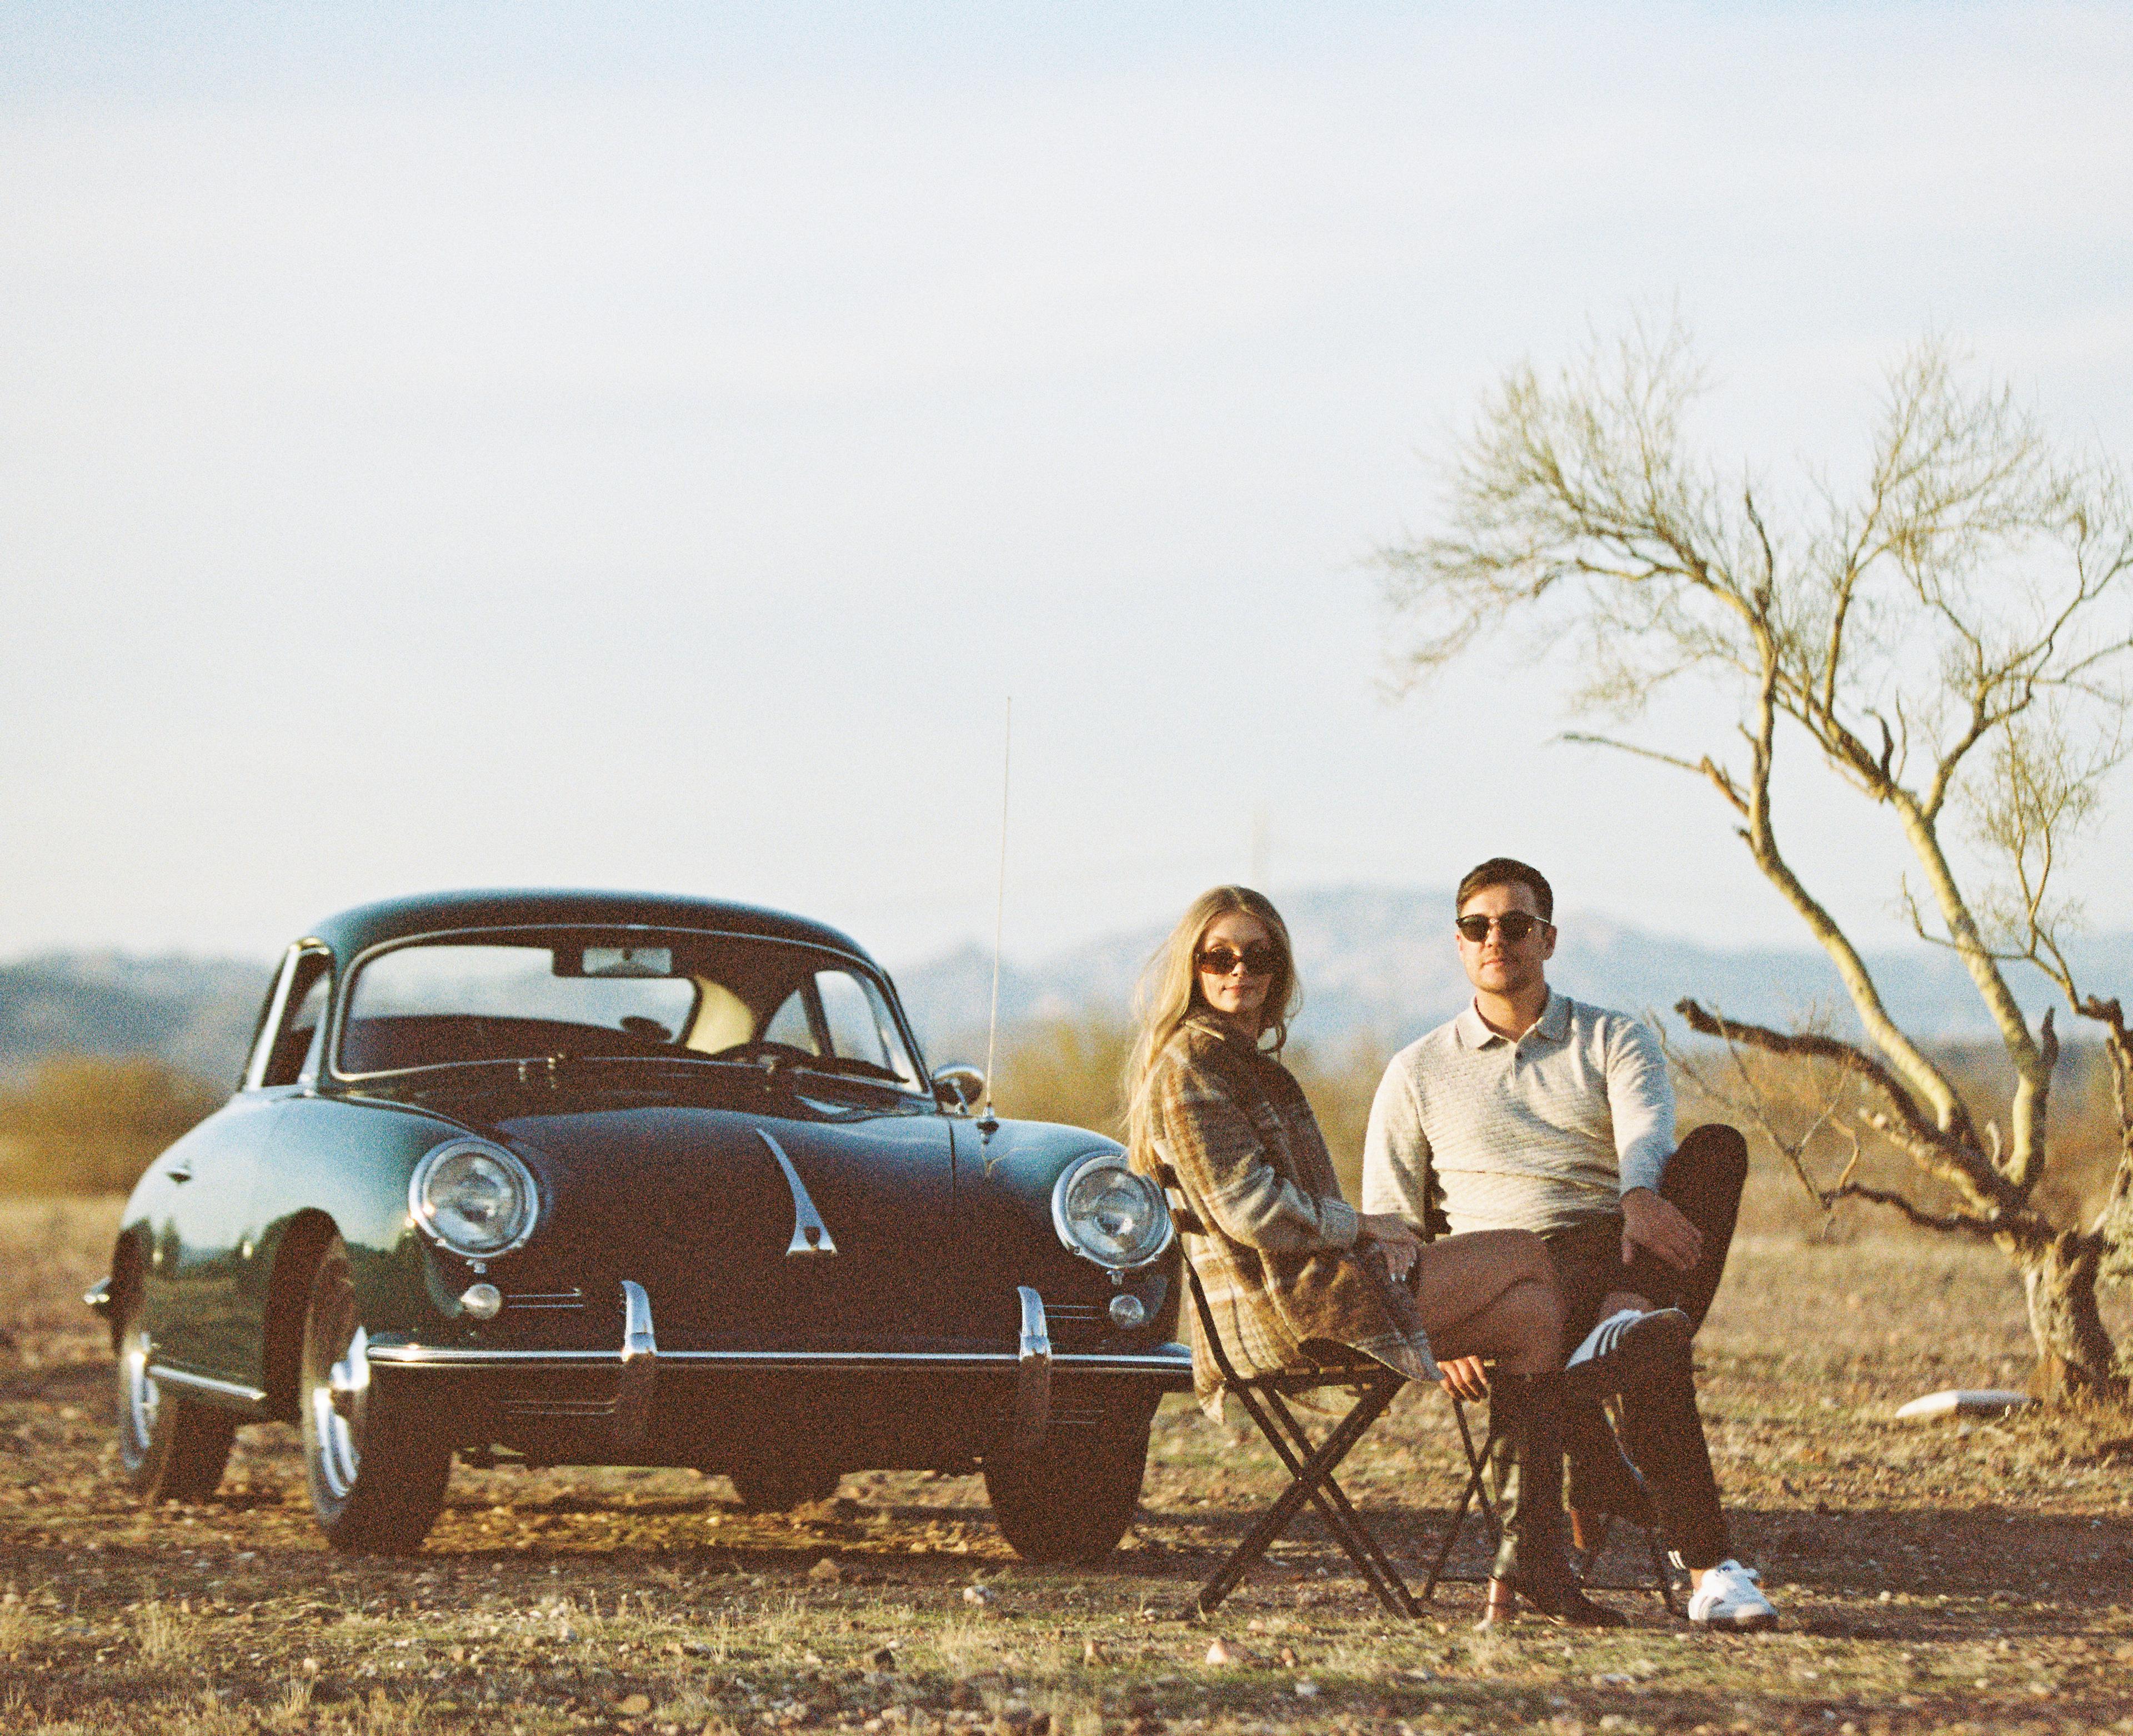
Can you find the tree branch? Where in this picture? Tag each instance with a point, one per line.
(1957, 1222)
(1705, 767)
(1939, 1151)
(2114, 1223)
(1923, 1076)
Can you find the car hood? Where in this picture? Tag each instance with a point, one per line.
(711, 1207)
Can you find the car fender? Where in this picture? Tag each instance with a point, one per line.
(358, 1156)
(1005, 1180)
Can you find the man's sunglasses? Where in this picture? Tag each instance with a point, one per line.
(1258, 960)
(1514, 925)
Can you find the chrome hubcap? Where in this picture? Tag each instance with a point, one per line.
(338, 1394)
(137, 1389)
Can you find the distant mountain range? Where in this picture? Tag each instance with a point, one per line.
(195, 1013)
(1377, 963)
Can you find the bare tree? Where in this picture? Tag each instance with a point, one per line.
(1952, 637)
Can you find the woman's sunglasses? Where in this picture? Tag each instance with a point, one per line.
(1513, 926)
(1258, 960)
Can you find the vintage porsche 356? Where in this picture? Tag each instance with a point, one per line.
(595, 1179)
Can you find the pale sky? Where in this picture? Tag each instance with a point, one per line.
(645, 446)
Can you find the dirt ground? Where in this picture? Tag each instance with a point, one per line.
(1937, 1576)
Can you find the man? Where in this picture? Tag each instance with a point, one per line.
(1532, 1111)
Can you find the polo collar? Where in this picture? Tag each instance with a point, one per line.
(1553, 1026)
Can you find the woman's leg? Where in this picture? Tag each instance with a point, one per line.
(1492, 1293)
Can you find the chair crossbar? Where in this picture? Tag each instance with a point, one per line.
(1586, 1556)
(1475, 1490)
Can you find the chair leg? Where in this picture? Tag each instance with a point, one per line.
(1660, 1574)
(1476, 1490)
(1474, 1465)
(1653, 1543)
(1347, 1525)
(1304, 1485)
(1590, 1534)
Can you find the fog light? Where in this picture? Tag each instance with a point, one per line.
(1127, 1311)
(483, 1301)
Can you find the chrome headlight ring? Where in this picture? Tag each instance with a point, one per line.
(1095, 1204)
(464, 1181)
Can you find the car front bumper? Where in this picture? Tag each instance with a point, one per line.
(613, 1396)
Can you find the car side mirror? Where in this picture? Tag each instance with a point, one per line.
(959, 1088)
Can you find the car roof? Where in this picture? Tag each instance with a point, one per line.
(367, 926)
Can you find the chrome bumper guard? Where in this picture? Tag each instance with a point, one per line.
(637, 1360)
(640, 1366)
(1032, 1386)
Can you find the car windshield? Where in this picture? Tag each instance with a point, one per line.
(520, 996)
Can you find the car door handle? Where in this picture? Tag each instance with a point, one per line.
(180, 1173)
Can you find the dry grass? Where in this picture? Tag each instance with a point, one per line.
(89, 1123)
(1932, 1578)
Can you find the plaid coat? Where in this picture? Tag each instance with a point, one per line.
(1276, 1252)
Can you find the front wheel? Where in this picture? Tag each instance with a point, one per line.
(173, 1448)
(1074, 1497)
(376, 1475)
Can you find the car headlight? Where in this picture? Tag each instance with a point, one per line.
(474, 1198)
(1105, 1213)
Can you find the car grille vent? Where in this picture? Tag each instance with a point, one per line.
(538, 1404)
(1076, 1322)
(539, 1299)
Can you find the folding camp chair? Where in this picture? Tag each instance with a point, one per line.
(1311, 1466)
(1589, 1537)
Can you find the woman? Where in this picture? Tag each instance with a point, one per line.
(1281, 1256)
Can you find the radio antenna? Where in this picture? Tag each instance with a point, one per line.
(988, 1121)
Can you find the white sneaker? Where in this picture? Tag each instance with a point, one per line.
(1728, 1597)
(1679, 1569)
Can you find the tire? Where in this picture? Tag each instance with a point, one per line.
(377, 1476)
(1076, 1496)
(173, 1447)
(769, 1489)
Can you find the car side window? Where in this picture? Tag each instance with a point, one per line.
(859, 1027)
(303, 1015)
(789, 1025)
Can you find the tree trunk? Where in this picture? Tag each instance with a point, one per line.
(2076, 1358)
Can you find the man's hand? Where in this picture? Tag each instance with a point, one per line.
(1648, 1221)
(1463, 1377)
(1387, 1232)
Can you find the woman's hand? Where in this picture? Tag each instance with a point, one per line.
(1387, 1232)
(1464, 1377)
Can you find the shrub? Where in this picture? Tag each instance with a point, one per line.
(91, 1125)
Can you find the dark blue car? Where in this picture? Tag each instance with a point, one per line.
(584, 1178)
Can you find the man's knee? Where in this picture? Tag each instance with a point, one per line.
(1716, 1151)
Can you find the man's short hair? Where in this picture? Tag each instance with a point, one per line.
(1503, 871)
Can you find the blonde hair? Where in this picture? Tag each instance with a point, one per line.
(1169, 994)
